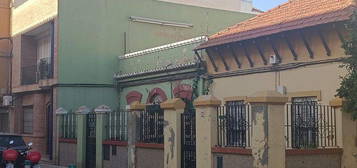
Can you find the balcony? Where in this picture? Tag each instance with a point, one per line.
(33, 73)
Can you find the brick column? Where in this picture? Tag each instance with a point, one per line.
(81, 135)
(59, 117)
(135, 108)
(346, 134)
(172, 132)
(101, 132)
(268, 142)
(206, 129)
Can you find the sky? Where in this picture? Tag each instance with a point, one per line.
(267, 4)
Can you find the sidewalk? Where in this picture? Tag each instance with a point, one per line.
(50, 166)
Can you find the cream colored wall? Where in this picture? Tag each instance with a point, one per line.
(321, 77)
(32, 14)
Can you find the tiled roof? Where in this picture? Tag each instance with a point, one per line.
(291, 15)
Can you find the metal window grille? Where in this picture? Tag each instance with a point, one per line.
(310, 125)
(68, 126)
(118, 124)
(234, 125)
(151, 125)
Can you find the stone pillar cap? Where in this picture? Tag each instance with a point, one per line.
(136, 105)
(83, 110)
(173, 104)
(336, 102)
(267, 97)
(102, 109)
(61, 110)
(207, 100)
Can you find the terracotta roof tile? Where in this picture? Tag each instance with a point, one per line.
(288, 16)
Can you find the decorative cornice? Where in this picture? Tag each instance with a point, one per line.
(164, 47)
(156, 70)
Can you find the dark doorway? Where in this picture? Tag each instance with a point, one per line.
(91, 141)
(188, 137)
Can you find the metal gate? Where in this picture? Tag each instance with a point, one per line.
(91, 145)
(188, 140)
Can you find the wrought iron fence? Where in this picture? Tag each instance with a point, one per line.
(118, 124)
(310, 125)
(234, 125)
(151, 125)
(68, 126)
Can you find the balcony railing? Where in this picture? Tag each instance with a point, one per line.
(33, 73)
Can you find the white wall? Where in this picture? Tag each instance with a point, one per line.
(231, 5)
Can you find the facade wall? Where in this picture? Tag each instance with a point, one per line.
(297, 77)
(103, 35)
(155, 159)
(324, 78)
(314, 161)
(38, 102)
(232, 160)
(67, 154)
(118, 160)
(4, 46)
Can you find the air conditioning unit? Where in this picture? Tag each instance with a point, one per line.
(273, 60)
(7, 100)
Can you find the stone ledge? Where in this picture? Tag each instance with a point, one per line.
(313, 151)
(268, 97)
(173, 104)
(337, 102)
(232, 150)
(136, 105)
(149, 145)
(207, 100)
(115, 143)
(66, 140)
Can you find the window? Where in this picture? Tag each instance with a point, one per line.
(236, 123)
(44, 55)
(219, 162)
(304, 122)
(28, 120)
(36, 54)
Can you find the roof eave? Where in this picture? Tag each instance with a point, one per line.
(279, 28)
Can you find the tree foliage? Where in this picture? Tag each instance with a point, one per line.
(348, 88)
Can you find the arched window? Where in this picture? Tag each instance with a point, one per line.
(133, 96)
(183, 91)
(156, 96)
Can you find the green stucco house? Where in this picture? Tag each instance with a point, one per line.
(114, 52)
